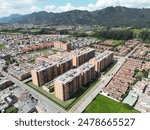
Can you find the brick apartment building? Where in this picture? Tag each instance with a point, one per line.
(64, 65)
(43, 74)
(80, 56)
(69, 83)
(87, 73)
(62, 45)
(102, 61)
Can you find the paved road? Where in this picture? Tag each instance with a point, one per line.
(50, 106)
(27, 80)
(127, 56)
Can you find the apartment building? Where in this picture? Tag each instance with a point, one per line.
(87, 72)
(80, 56)
(102, 61)
(18, 72)
(67, 84)
(62, 45)
(4, 83)
(63, 61)
(63, 65)
(43, 74)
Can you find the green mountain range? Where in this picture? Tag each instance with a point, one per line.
(110, 17)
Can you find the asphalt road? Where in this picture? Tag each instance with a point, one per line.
(50, 106)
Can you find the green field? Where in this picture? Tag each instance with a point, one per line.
(137, 32)
(118, 42)
(102, 104)
(11, 109)
(140, 74)
(2, 47)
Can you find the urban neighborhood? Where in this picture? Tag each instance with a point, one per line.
(55, 73)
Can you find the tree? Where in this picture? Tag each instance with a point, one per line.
(115, 34)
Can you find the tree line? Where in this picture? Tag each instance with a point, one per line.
(115, 34)
(145, 36)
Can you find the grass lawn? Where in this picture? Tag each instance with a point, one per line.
(35, 30)
(95, 38)
(2, 47)
(32, 62)
(137, 31)
(118, 42)
(17, 33)
(11, 109)
(102, 104)
(140, 74)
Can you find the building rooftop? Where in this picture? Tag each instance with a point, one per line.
(103, 55)
(81, 51)
(85, 67)
(63, 60)
(69, 76)
(43, 67)
(3, 80)
(131, 98)
(17, 70)
(57, 58)
(2, 61)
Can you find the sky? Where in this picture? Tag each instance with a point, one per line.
(8, 7)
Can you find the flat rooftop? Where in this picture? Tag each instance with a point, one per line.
(81, 51)
(63, 60)
(131, 98)
(103, 55)
(2, 81)
(57, 58)
(68, 77)
(43, 67)
(2, 61)
(17, 70)
(85, 67)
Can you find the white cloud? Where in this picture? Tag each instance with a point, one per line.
(93, 6)
(8, 7)
(100, 4)
(35, 9)
(135, 3)
(53, 8)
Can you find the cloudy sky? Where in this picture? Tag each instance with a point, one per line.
(8, 7)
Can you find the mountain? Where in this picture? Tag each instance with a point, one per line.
(110, 16)
(12, 18)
